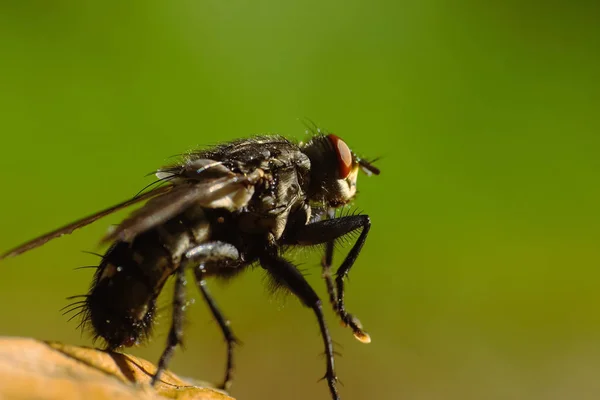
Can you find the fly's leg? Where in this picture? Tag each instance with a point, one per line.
(326, 262)
(327, 232)
(227, 333)
(327, 276)
(212, 252)
(287, 274)
(218, 255)
(176, 332)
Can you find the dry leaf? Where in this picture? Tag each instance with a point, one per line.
(31, 368)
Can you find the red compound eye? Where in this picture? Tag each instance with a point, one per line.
(344, 155)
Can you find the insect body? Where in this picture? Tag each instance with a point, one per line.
(218, 212)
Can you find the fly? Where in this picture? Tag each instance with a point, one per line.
(218, 212)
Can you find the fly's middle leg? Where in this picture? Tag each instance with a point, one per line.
(287, 274)
(326, 262)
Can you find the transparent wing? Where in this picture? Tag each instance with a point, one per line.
(232, 192)
(67, 229)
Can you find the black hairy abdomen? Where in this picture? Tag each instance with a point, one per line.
(121, 303)
(122, 300)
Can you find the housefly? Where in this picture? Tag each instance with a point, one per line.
(218, 212)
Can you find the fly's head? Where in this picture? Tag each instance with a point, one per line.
(333, 170)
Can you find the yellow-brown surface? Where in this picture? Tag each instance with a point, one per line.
(47, 370)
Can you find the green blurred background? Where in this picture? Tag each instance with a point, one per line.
(480, 276)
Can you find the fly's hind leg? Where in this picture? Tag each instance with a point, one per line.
(214, 258)
(176, 332)
(216, 254)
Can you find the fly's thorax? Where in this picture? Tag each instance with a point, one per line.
(333, 172)
(281, 192)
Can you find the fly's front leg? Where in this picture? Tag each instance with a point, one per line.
(214, 257)
(326, 232)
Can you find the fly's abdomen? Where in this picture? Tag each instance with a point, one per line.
(122, 300)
